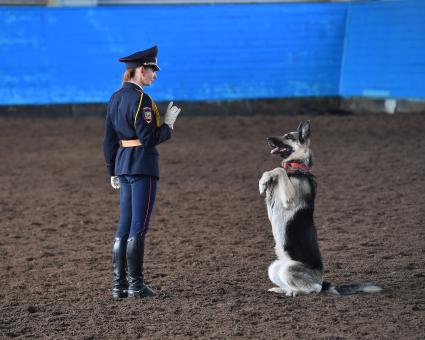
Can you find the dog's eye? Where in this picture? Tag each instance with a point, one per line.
(289, 137)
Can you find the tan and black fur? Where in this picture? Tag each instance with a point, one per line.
(290, 196)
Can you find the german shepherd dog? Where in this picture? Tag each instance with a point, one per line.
(290, 192)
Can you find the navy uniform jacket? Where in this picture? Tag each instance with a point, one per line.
(132, 114)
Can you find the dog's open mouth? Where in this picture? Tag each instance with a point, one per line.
(279, 148)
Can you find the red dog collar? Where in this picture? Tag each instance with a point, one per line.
(292, 166)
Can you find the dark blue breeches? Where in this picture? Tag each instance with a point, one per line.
(137, 198)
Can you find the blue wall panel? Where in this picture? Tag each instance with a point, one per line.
(215, 52)
(207, 52)
(385, 50)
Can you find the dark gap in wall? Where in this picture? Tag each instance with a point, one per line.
(277, 106)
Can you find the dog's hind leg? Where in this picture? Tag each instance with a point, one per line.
(275, 275)
(303, 279)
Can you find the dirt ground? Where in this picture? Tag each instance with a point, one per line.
(210, 241)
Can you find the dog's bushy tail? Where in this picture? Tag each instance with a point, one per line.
(362, 287)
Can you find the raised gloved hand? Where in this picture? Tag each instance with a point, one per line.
(171, 115)
(115, 182)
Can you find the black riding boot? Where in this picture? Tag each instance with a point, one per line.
(119, 264)
(135, 252)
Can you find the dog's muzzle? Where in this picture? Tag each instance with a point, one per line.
(279, 148)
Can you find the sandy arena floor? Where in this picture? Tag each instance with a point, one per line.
(210, 241)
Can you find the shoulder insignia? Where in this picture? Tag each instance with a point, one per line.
(154, 109)
(147, 114)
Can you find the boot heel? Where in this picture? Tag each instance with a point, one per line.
(145, 292)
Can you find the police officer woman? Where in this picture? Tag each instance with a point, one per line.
(132, 131)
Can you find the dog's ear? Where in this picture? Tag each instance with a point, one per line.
(300, 126)
(299, 130)
(304, 131)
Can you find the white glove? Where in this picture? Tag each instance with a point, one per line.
(171, 115)
(115, 182)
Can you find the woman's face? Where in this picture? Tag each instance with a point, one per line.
(148, 75)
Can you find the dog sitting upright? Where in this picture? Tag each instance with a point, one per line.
(290, 193)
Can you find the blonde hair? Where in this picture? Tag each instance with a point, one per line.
(128, 74)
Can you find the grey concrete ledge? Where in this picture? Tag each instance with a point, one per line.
(280, 106)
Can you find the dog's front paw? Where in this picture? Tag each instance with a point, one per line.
(265, 181)
(278, 290)
(291, 293)
(262, 186)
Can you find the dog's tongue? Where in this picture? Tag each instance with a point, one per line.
(274, 151)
